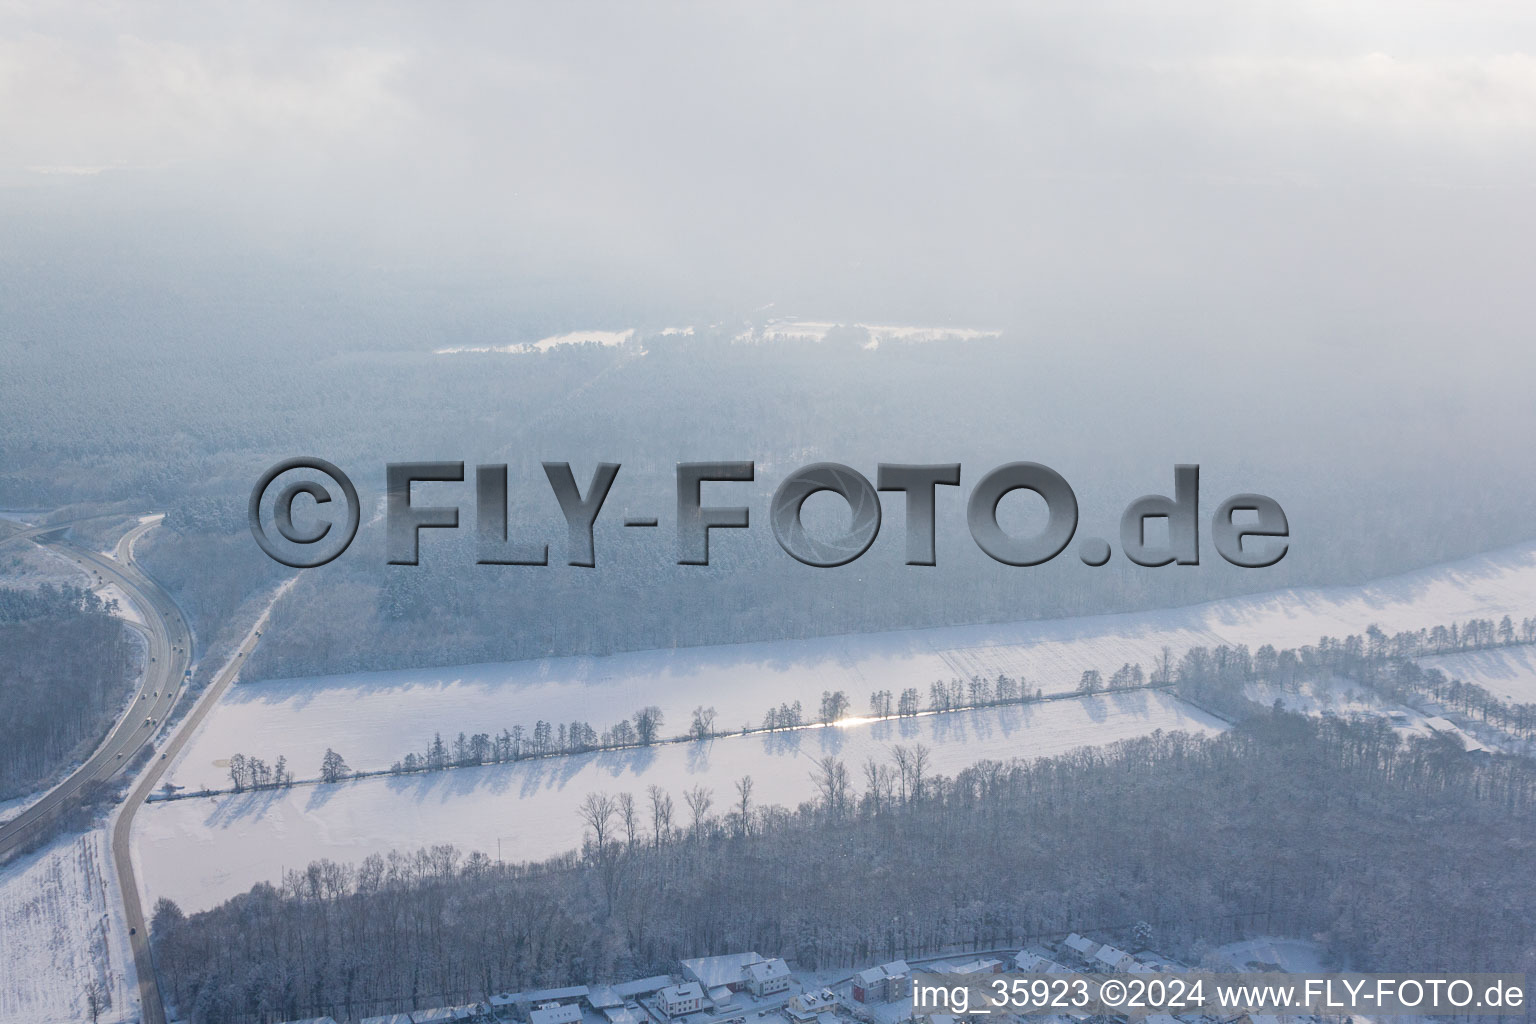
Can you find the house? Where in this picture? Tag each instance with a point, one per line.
(768, 977)
(729, 970)
(439, 1015)
(642, 986)
(1035, 960)
(602, 997)
(1084, 948)
(314, 1020)
(719, 998)
(677, 1000)
(1109, 957)
(813, 1003)
(979, 967)
(388, 1018)
(884, 984)
(568, 994)
(555, 1013)
(621, 1015)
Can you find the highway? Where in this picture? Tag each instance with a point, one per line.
(169, 654)
(152, 1007)
(170, 658)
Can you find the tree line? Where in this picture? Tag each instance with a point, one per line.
(1259, 830)
(66, 665)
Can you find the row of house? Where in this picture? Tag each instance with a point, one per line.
(738, 972)
(710, 984)
(1100, 957)
(472, 1013)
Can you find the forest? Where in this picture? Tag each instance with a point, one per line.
(1284, 825)
(65, 667)
(378, 393)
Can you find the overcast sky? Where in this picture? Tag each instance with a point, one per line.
(989, 164)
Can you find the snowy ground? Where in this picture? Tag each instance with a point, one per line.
(61, 929)
(1508, 673)
(1295, 956)
(202, 851)
(24, 564)
(1346, 699)
(374, 719)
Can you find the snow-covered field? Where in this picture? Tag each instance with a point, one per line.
(202, 851)
(373, 719)
(61, 930)
(1345, 699)
(1508, 673)
(25, 565)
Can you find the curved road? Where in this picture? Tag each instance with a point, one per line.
(170, 659)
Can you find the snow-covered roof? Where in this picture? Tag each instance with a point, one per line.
(768, 970)
(642, 986)
(1035, 960)
(682, 993)
(553, 995)
(620, 1015)
(710, 971)
(1080, 945)
(437, 1015)
(976, 967)
(388, 1018)
(1109, 955)
(603, 996)
(570, 1013)
(819, 998)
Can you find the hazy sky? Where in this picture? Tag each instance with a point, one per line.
(993, 164)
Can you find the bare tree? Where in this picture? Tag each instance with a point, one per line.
(630, 816)
(831, 779)
(878, 780)
(744, 803)
(597, 812)
(699, 799)
(703, 726)
(661, 813)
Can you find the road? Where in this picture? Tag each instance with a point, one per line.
(169, 658)
(152, 1007)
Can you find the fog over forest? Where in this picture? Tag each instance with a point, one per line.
(1288, 242)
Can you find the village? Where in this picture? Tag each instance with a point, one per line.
(747, 988)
